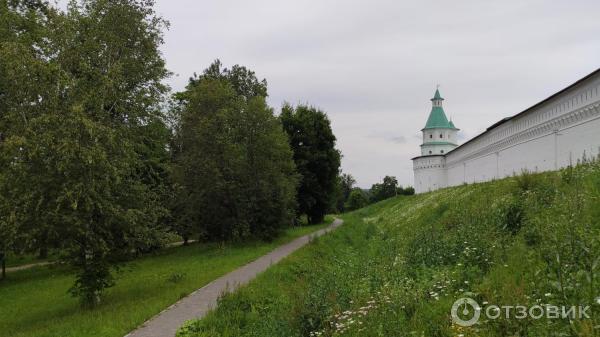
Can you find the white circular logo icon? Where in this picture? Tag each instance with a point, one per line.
(462, 309)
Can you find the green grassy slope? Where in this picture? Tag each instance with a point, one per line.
(35, 302)
(395, 268)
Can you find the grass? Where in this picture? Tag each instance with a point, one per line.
(35, 302)
(395, 268)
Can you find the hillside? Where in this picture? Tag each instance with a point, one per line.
(396, 268)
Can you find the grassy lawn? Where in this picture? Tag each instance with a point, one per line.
(35, 302)
(396, 267)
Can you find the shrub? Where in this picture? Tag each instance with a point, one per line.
(357, 199)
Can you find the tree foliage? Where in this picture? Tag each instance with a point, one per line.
(409, 190)
(386, 189)
(315, 155)
(82, 165)
(345, 184)
(357, 199)
(234, 168)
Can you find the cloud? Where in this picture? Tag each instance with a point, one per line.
(398, 140)
(373, 66)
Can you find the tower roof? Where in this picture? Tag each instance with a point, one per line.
(437, 117)
(437, 95)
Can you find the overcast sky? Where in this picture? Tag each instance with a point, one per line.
(373, 65)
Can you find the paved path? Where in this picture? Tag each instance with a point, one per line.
(47, 263)
(198, 303)
(27, 266)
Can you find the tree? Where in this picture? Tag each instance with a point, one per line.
(242, 80)
(345, 184)
(24, 78)
(80, 156)
(348, 182)
(315, 155)
(234, 165)
(155, 173)
(357, 199)
(409, 190)
(387, 189)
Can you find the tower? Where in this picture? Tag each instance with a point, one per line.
(439, 138)
(439, 134)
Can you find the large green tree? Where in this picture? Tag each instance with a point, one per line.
(317, 159)
(83, 150)
(234, 169)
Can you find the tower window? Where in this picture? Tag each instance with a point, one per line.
(429, 152)
(430, 136)
(441, 136)
(442, 151)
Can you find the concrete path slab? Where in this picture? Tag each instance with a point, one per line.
(198, 303)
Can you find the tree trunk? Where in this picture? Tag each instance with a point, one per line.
(43, 253)
(3, 261)
(43, 244)
(316, 219)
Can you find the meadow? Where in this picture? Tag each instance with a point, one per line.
(395, 268)
(35, 302)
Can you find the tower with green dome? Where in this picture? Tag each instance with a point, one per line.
(439, 133)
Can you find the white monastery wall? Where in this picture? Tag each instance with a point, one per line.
(430, 173)
(556, 133)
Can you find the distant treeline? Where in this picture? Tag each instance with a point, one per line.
(351, 198)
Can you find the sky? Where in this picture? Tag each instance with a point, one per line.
(372, 66)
